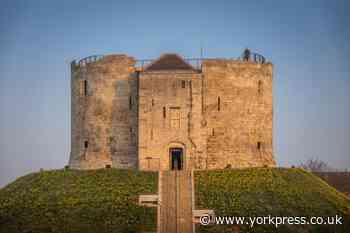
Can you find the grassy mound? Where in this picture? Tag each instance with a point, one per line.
(106, 200)
(257, 192)
(78, 201)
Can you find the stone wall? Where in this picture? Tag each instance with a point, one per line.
(226, 116)
(169, 116)
(221, 116)
(104, 114)
(238, 113)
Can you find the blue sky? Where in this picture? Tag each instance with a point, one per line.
(308, 42)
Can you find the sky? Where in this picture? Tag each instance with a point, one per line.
(307, 41)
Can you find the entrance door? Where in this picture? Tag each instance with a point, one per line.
(176, 158)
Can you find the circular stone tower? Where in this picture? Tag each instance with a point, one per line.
(103, 112)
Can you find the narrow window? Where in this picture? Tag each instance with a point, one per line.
(86, 144)
(164, 112)
(152, 102)
(258, 145)
(259, 86)
(183, 84)
(219, 107)
(130, 129)
(85, 87)
(130, 102)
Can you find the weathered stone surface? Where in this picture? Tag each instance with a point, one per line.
(221, 115)
(103, 117)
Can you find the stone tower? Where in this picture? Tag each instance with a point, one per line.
(104, 112)
(170, 114)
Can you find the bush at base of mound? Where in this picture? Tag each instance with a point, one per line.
(93, 201)
(260, 192)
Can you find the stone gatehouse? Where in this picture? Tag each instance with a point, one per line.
(171, 113)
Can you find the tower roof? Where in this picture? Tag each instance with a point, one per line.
(169, 61)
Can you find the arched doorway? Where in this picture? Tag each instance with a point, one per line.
(176, 158)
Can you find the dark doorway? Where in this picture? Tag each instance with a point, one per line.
(176, 158)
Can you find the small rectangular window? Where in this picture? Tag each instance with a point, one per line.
(219, 103)
(183, 84)
(152, 102)
(164, 112)
(258, 145)
(86, 144)
(130, 102)
(260, 87)
(85, 87)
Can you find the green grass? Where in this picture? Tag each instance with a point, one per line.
(105, 200)
(269, 191)
(93, 201)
